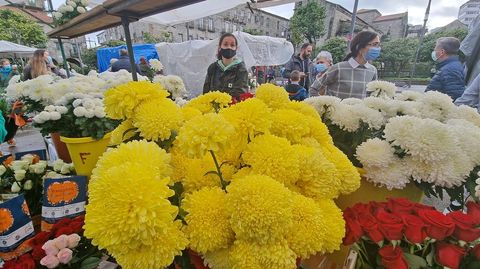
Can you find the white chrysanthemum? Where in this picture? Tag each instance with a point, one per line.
(173, 84)
(373, 118)
(466, 113)
(375, 152)
(345, 117)
(380, 88)
(379, 104)
(404, 108)
(323, 104)
(394, 176)
(436, 105)
(408, 96)
(156, 64)
(352, 101)
(447, 173)
(468, 137)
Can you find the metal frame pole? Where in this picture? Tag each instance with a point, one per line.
(65, 65)
(422, 36)
(352, 25)
(128, 39)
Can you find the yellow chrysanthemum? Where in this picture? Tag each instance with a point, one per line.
(249, 117)
(334, 223)
(210, 102)
(250, 255)
(156, 119)
(149, 154)
(319, 131)
(189, 112)
(289, 124)
(274, 96)
(303, 108)
(347, 173)
(245, 171)
(260, 208)
(196, 177)
(220, 259)
(273, 156)
(308, 232)
(120, 220)
(208, 225)
(319, 178)
(123, 132)
(120, 101)
(209, 132)
(168, 244)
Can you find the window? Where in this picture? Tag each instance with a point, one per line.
(257, 19)
(191, 24)
(181, 37)
(268, 22)
(472, 12)
(200, 24)
(190, 37)
(267, 33)
(278, 25)
(234, 27)
(227, 27)
(210, 25)
(261, 20)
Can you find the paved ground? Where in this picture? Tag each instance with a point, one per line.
(417, 88)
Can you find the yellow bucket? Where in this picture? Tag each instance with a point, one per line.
(367, 192)
(85, 152)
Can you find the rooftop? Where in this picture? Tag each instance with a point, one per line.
(391, 17)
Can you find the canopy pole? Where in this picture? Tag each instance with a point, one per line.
(128, 39)
(65, 65)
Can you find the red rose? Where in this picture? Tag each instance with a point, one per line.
(362, 208)
(414, 228)
(61, 223)
(473, 209)
(26, 261)
(374, 206)
(392, 258)
(9, 264)
(465, 229)
(77, 226)
(439, 226)
(38, 253)
(419, 207)
(64, 230)
(41, 238)
(353, 229)
(390, 225)
(400, 206)
(476, 251)
(370, 226)
(449, 255)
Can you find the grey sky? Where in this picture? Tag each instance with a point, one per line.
(442, 11)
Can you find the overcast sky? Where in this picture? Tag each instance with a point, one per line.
(442, 11)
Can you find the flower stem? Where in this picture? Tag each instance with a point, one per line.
(219, 172)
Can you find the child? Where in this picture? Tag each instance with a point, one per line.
(295, 91)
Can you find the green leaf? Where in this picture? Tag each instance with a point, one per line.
(430, 257)
(184, 261)
(90, 263)
(414, 261)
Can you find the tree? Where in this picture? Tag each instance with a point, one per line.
(163, 37)
(115, 43)
(90, 58)
(431, 39)
(307, 23)
(398, 53)
(337, 47)
(253, 31)
(17, 28)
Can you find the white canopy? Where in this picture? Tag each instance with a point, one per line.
(191, 59)
(187, 13)
(10, 48)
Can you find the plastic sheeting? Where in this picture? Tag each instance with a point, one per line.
(105, 54)
(190, 60)
(468, 46)
(187, 13)
(9, 49)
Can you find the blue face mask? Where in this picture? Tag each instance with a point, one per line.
(434, 56)
(7, 67)
(320, 67)
(372, 54)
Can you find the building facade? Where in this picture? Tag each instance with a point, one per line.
(454, 25)
(35, 10)
(240, 18)
(394, 25)
(469, 11)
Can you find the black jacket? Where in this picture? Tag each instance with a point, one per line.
(300, 65)
(233, 81)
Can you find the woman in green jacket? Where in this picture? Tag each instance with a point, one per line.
(228, 74)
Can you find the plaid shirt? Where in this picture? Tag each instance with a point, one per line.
(346, 79)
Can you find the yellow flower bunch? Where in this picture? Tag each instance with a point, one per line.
(121, 101)
(289, 124)
(303, 108)
(347, 173)
(210, 102)
(123, 132)
(208, 132)
(189, 112)
(156, 119)
(274, 96)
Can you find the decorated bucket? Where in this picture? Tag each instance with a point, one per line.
(85, 152)
(367, 192)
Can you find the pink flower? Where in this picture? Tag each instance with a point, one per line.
(61, 242)
(50, 248)
(65, 255)
(73, 240)
(50, 261)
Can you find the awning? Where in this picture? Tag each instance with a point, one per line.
(10, 48)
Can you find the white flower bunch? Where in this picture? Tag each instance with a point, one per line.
(89, 108)
(380, 88)
(477, 188)
(85, 2)
(173, 84)
(81, 10)
(323, 104)
(62, 167)
(50, 112)
(156, 65)
(408, 95)
(71, 3)
(436, 105)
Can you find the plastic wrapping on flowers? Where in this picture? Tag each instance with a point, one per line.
(245, 185)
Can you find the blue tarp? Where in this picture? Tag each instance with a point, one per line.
(105, 54)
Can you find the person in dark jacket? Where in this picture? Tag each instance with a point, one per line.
(301, 63)
(450, 76)
(295, 90)
(228, 74)
(123, 63)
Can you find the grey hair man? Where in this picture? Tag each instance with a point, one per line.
(450, 76)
